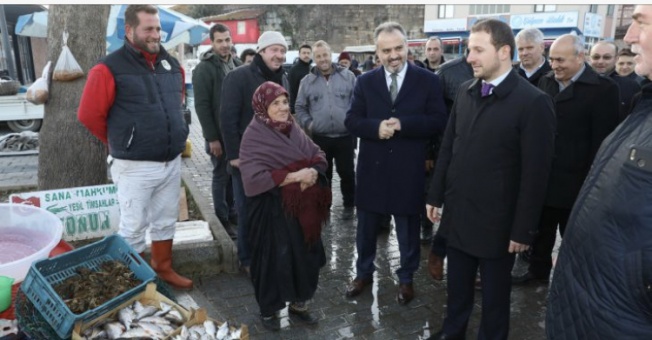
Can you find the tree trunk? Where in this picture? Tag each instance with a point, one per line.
(69, 155)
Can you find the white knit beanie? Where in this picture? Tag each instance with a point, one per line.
(270, 38)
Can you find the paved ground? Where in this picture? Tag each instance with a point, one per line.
(373, 315)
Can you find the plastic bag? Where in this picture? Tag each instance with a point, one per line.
(67, 68)
(38, 92)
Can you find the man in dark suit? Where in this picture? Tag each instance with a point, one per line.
(530, 47)
(395, 110)
(603, 61)
(587, 108)
(491, 179)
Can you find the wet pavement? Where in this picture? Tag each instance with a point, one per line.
(374, 314)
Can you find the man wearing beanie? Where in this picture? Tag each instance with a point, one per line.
(298, 71)
(345, 61)
(236, 113)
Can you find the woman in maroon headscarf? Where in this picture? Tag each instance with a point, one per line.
(288, 200)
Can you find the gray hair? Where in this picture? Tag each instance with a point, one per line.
(530, 34)
(578, 43)
(389, 27)
(322, 43)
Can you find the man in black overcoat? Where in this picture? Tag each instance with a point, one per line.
(587, 106)
(490, 178)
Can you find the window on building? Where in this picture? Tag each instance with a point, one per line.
(242, 27)
(445, 11)
(593, 8)
(545, 8)
(610, 10)
(488, 9)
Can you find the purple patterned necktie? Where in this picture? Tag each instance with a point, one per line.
(486, 89)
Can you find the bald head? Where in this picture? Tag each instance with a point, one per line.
(566, 57)
(603, 57)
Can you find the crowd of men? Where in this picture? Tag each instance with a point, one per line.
(499, 154)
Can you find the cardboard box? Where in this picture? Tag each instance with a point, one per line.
(150, 297)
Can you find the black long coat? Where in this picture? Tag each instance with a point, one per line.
(587, 111)
(390, 176)
(493, 166)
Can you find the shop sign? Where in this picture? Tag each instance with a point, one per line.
(444, 25)
(544, 20)
(471, 20)
(593, 25)
(86, 212)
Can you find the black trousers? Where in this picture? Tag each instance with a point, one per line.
(541, 256)
(496, 290)
(340, 149)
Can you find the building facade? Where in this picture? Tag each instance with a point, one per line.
(452, 22)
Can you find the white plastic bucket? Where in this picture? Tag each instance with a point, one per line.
(27, 234)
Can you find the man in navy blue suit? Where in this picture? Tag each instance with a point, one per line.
(396, 109)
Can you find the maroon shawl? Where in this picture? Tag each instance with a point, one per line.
(267, 156)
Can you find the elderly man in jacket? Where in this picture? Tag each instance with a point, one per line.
(587, 106)
(395, 110)
(531, 50)
(207, 79)
(132, 102)
(491, 180)
(236, 113)
(602, 284)
(323, 99)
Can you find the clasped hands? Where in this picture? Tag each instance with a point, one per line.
(388, 127)
(306, 177)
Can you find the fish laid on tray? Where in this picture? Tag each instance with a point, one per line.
(138, 321)
(209, 331)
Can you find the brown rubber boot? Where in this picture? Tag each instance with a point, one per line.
(436, 266)
(162, 265)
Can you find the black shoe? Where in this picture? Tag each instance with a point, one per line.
(528, 278)
(348, 213)
(301, 312)
(271, 323)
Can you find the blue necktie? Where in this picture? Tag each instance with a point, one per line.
(486, 89)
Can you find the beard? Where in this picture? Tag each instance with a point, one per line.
(143, 45)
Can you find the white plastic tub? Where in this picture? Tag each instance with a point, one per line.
(27, 234)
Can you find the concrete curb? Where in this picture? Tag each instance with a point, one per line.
(198, 258)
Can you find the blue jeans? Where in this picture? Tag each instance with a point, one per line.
(219, 187)
(243, 223)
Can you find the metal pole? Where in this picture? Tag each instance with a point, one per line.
(6, 47)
